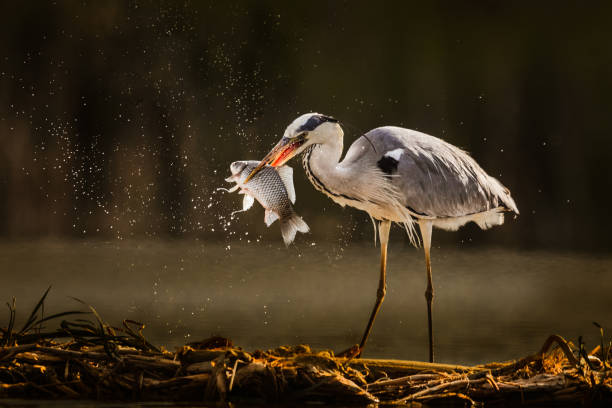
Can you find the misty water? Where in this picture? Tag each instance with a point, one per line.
(490, 304)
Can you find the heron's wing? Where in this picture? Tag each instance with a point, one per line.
(435, 178)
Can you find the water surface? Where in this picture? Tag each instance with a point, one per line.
(489, 304)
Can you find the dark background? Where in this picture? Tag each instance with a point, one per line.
(119, 119)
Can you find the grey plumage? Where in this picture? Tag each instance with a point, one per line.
(435, 178)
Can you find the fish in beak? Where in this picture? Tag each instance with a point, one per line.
(284, 150)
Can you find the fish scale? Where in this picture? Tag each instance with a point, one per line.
(268, 189)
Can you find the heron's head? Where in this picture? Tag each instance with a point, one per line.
(308, 129)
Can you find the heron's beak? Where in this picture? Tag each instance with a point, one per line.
(284, 150)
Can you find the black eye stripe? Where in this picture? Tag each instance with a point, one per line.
(314, 121)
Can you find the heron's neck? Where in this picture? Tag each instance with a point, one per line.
(320, 162)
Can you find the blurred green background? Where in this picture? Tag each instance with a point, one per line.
(119, 119)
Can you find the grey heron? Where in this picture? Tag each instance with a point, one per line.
(395, 175)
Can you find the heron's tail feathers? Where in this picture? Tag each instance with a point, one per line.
(509, 202)
(501, 196)
(290, 226)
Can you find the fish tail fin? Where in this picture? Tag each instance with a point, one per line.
(290, 226)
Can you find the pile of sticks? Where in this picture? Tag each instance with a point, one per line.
(89, 359)
(214, 370)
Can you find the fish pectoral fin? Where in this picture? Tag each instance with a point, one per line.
(270, 217)
(286, 176)
(247, 202)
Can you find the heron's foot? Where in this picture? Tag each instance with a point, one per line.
(351, 352)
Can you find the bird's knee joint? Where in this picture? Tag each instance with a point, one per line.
(381, 293)
(429, 294)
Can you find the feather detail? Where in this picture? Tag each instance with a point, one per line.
(367, 188)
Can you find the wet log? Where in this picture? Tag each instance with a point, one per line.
(203, 367)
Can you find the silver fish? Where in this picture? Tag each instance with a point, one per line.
(273, 188)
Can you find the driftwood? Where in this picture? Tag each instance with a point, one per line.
(92, 360)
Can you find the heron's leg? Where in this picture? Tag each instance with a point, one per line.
(383, 233)
(425, 227)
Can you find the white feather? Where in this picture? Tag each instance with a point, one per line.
(395, 154)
